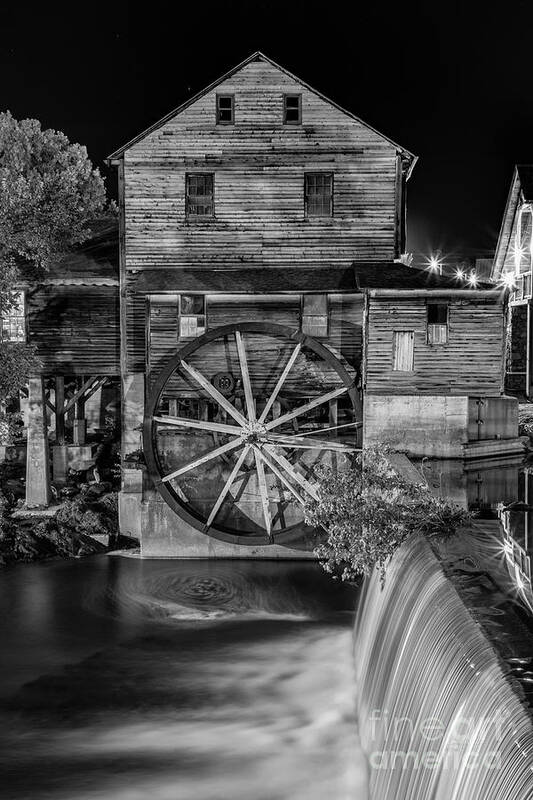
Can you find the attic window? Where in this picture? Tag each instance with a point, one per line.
(315, 314)
(225, 109)
(437, 322)
(292, 109)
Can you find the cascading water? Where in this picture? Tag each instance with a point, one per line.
(438, 718)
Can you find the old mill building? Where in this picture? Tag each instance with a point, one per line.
(260, 321)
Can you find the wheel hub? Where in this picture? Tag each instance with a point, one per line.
(254, 432)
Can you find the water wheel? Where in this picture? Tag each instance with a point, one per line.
(237, 423)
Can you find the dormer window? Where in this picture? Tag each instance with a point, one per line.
(225, 109)
(292, 109)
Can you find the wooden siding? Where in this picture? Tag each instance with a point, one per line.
(345, 322)
(259, 167)
(75, 329)
(469, 363)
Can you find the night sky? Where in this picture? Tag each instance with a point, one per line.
(450, 81)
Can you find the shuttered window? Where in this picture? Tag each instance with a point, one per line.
(292, 109)
(192, 315)
(318, 194)
(315, 314)
(199, 196)
(403, 351)
(437, 323)
(225, 109)
(14, 319)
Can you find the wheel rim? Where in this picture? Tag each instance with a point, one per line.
(255, 495)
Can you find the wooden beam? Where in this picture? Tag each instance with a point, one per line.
(60, 409)
(215, 394)
(263, 491)
(248, 394)
(203, 459)
(306, 407)
(199, 424)
(281, 381)
(227, 486)
(76, 396)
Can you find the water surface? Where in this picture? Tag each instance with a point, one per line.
(123, 679)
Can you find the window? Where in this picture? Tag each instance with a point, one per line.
(225, 109)
(199, 200)
(315, 314)
(292, 109)
(318, 194)
(403, 351)
(13, 319)
(192, 315)
(437, 323)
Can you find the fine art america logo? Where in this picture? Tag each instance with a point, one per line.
(403, 743)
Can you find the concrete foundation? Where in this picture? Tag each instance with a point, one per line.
(37, 463)
(442, 426)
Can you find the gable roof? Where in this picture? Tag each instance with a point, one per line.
(257, 56)
(521, 191)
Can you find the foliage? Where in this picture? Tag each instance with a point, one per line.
(525, 419)
(10, 427)
(88, 514)
(369, 510)
(49, 193)
(66, 535)
(17, 361)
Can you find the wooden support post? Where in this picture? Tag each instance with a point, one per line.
(60, 409)
(79, 431)
(59, 451)
(37, 463)
(173, 406)
(333, 414)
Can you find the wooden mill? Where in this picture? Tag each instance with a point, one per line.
(261, 226)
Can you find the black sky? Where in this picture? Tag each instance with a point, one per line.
(451, 81)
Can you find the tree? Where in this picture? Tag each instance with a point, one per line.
(369, 510)
(50, 194)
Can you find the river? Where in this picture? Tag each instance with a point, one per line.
(123, 679)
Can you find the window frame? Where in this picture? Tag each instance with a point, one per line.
(6, 316)
(224, 96)
(434, 325)
(314, 173)
(188, 215)
(291, 95)
(181, 315)
(304, 316)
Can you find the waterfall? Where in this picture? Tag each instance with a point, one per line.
(438, 718)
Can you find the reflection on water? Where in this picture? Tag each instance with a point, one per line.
(126, 679)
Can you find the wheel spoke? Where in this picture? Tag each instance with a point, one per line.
(198, 423)
(294, 474)
(281, 381)
(250, 404)
(215, 394)
(306, 407)
(279, 474)
(220, 499)
(312, 444)
(263, 491)
(225, 448)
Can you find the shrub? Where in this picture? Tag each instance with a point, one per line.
(369, 510)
